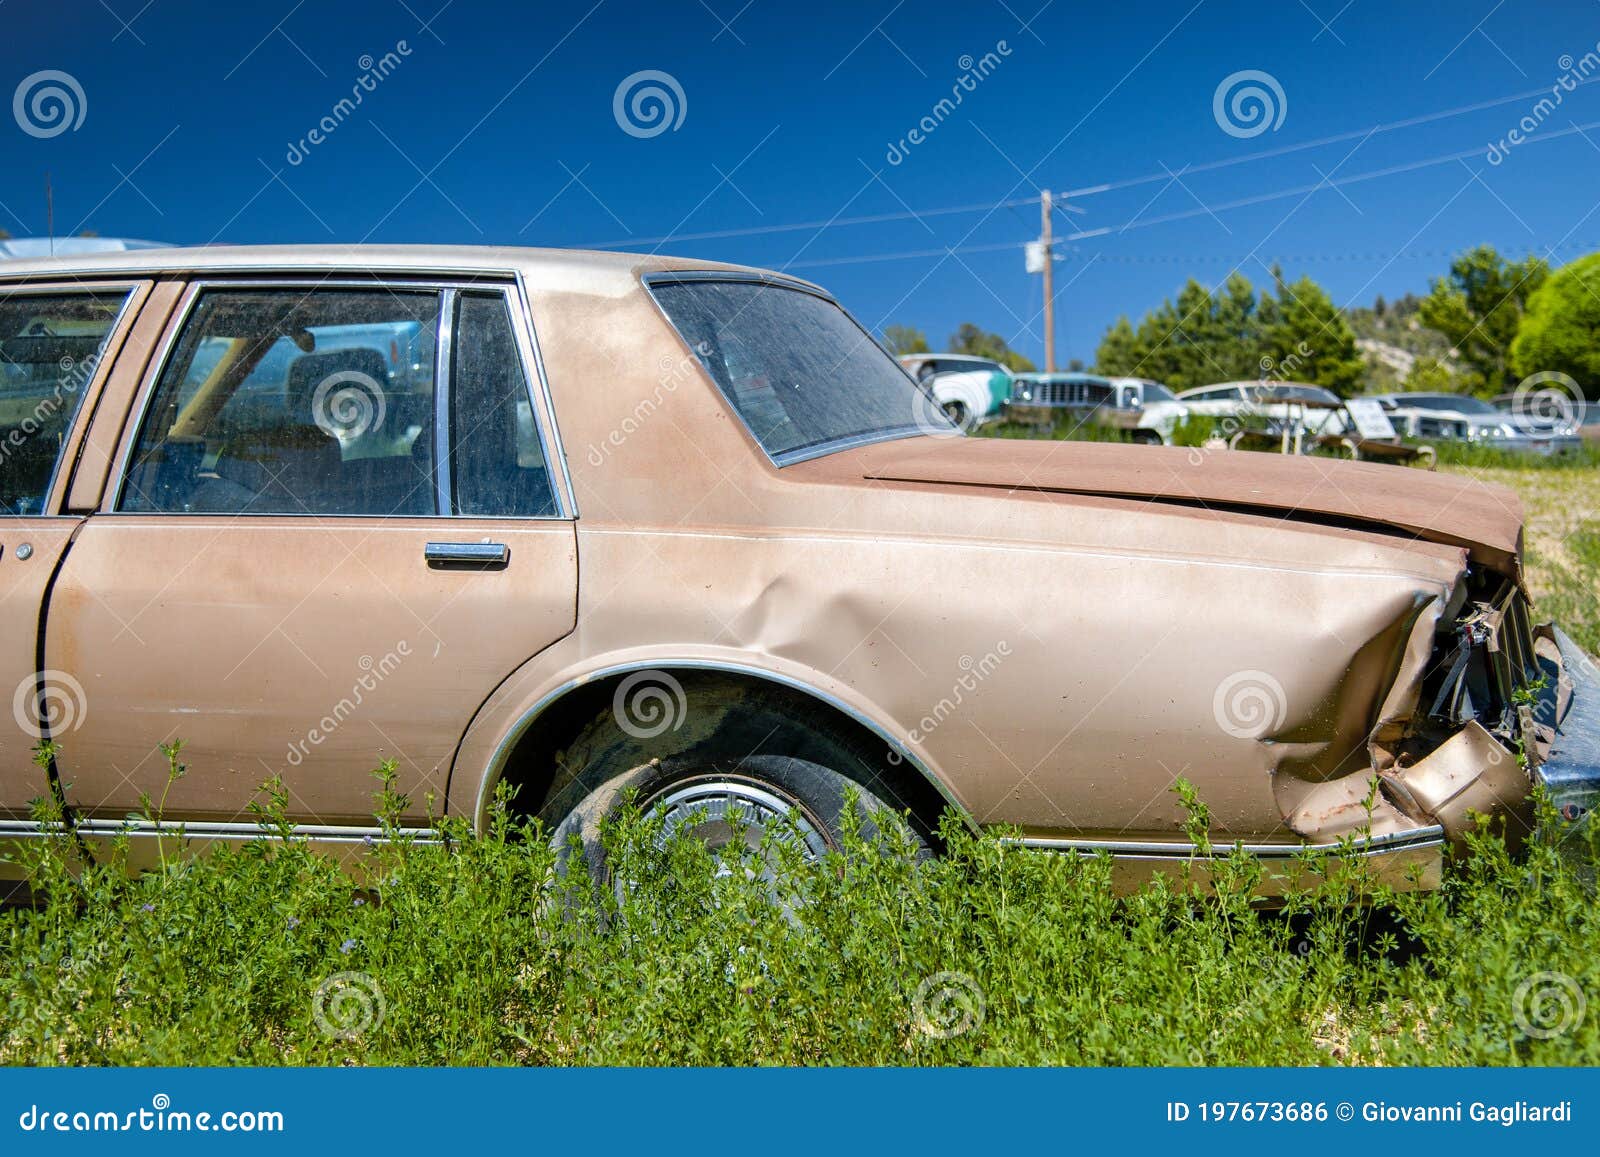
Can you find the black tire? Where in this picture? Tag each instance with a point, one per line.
(794, 752)
(812, 798)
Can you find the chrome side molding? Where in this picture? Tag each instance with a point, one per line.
(1431, 836)
(209, 830)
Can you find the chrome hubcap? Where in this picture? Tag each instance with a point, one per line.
(721, 813)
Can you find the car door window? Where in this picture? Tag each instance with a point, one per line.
(293, 401)
(49, 350)
(497, 465)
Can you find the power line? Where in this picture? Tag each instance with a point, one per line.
(1336, 138)
(1087, 190)
(1206, 210)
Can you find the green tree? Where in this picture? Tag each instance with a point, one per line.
(1478, 307)
(1121, 353)
(904, 339)
(1201, 338)
(970, 339)
(1429, 376)
(1310, 340)
(1560, 331)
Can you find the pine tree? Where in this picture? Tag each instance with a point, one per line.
(1311, 340)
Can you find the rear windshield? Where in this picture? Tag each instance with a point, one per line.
(805, 378)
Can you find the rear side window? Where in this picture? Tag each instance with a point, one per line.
(804, 377)
(496, 463)
(289, 401)
(50, 348)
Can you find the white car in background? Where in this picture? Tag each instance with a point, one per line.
(1313, 410)
(1461, 418)
(969, 389)
(1147, 410)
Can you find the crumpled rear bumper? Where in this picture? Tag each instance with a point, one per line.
(1570, 703)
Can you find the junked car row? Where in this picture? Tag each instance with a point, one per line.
(972, 390)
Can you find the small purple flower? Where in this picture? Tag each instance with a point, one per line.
(359, 902)
(348, 947)
(367, 840)
(294, 922)
(148, 908)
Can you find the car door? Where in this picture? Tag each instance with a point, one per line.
(57, 343)
(338, 523)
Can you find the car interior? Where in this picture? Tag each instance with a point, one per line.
(322, 403)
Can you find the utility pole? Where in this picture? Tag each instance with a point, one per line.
(1047, 210)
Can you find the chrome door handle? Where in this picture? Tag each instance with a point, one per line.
(473, 553)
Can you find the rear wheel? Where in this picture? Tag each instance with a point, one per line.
(750, 764)
(758, 805)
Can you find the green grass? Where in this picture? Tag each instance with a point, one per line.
(486, 954)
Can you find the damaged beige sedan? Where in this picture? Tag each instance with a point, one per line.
(582, 523)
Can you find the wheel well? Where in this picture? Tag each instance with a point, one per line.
(717, 709)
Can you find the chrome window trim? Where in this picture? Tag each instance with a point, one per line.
(443, 345)
(447, 274)
(52, 501)
(502, 752)
(778, 281)
(502, 281)
(555, 450)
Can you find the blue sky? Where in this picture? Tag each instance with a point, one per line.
(496, 124)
